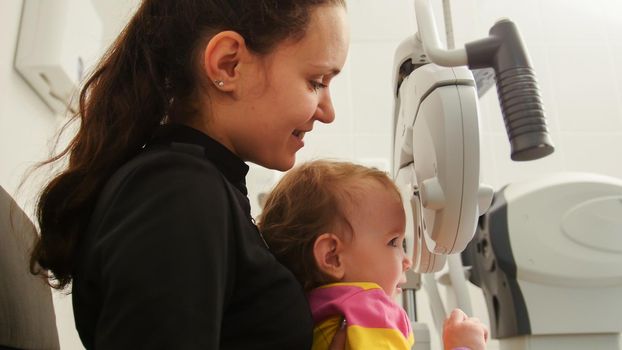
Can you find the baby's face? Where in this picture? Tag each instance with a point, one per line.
(375, 253)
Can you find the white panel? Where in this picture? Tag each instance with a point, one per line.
(556, 272)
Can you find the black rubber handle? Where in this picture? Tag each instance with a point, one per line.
(517, 88)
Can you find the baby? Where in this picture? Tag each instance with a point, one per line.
(339, 228)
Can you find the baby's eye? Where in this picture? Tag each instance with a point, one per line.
(394, 242)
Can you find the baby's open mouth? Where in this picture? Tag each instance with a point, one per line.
(299, 134)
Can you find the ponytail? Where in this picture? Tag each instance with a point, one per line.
(120, 106)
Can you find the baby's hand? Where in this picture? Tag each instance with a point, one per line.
(461, 330)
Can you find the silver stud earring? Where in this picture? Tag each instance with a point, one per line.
(219, 83)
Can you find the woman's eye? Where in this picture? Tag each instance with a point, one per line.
(394, 242)
(317, 85)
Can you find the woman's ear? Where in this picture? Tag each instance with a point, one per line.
(326, 250)
(222, 57)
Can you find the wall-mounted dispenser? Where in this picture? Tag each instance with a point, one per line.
(58, 41)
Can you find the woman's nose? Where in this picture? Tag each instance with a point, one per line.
(325, 111)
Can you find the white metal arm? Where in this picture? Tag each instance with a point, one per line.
(431, 42)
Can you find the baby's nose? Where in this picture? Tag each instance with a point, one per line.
(407, 262)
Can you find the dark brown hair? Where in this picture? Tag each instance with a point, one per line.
(312, 199)
(148, 76)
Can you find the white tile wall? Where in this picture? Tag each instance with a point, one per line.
(590, 97)
(573, 21)
(372, 102)
(373, 20)
(593, 152)
(612, 12)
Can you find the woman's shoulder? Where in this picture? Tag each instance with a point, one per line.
(166, 174)
(159, 182)
(170, 166)
(179, 159)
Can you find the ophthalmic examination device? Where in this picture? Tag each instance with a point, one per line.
(546, 253)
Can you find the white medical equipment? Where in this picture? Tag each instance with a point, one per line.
(562, 288)
(548, 257)
(436, 132)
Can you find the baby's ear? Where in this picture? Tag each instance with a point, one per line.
(327, 250)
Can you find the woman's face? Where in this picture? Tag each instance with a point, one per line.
(282, 94)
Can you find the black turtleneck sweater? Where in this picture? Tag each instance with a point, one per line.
(172, 259)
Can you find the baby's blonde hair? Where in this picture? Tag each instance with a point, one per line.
(312, 199)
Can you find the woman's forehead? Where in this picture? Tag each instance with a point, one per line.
(325, 43)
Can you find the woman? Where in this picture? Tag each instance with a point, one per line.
(149, 221)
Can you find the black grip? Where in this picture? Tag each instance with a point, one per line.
(523, 114)
(519, 95)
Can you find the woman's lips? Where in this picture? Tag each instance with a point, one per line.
(299, 134)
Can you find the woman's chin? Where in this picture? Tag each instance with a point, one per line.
(280, 164)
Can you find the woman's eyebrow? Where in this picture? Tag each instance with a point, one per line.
(333, 71)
